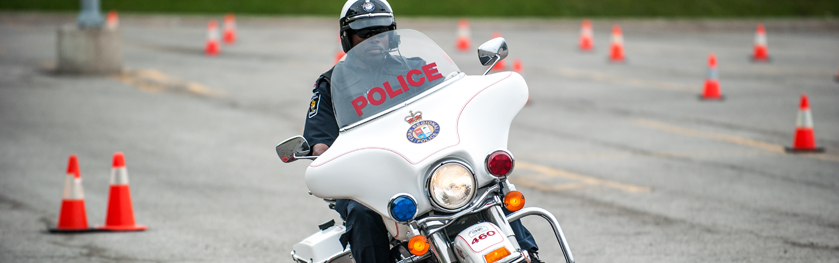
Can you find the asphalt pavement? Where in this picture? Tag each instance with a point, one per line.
(633, 165)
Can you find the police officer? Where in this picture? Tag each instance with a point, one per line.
(366, 232)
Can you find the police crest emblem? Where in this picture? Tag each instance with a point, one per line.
(368, 6)
(421, 131)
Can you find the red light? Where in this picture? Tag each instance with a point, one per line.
(499, 163)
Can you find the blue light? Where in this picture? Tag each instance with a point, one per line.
(403, 208)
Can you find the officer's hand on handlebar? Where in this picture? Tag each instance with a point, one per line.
(319, 148)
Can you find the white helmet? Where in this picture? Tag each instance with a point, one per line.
(360, 14)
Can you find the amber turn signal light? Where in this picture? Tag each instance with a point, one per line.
(514, 201)
(497, 255)
(418, 245)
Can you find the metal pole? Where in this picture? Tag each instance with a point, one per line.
(90, 15)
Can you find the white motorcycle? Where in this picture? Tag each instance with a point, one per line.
(423, 145)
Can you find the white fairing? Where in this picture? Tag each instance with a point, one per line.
(397, 231)
(375, 161)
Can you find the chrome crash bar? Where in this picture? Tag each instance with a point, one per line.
(333, 258)
(415, 259)
(481, 205)
(554, 224)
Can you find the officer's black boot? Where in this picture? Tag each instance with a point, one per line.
(534, 256)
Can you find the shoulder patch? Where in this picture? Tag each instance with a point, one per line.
(313, 106)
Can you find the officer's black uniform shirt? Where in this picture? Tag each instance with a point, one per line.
(321, 126)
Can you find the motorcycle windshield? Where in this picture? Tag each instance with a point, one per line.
(384, 72)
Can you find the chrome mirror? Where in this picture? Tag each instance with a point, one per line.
(294, 148)
(492, 51)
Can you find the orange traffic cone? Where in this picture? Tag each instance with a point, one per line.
(112, 20)
(464, 41)
(229, 29)
(616, 53)
(712, 85)
(517, 67)
(761, 54)
(586, 39)
(212, 48)
(500, 65)
(73, 217)
(338, 55)
(120, 213)
(805, 138)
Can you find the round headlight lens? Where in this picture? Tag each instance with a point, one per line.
(452, 186)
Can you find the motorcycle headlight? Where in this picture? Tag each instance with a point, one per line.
(452, 186)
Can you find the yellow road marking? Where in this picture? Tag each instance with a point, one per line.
(544, 187)
(774, 70)
(197, 88)
(672, 86)
(709, 135)
(728, 138)
(626, 155)
(580, 180)
(152, 80)
(821, 156)
(627, 81)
